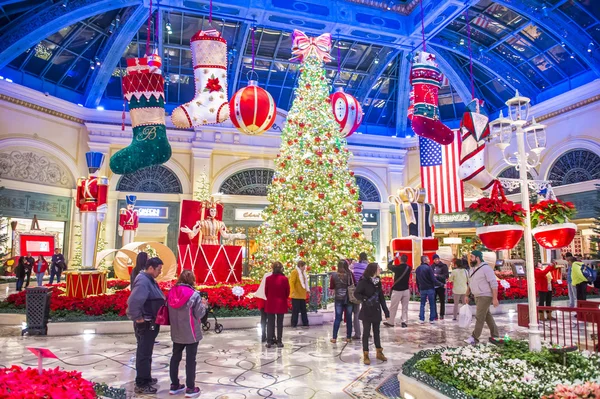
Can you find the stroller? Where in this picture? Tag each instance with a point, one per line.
(209, 311)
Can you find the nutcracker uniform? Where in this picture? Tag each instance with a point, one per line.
(128, 220)
(91, 201)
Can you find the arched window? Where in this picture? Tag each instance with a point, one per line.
(248, 182)
(154, 179)
(512, 173)
(575, 166)
(367, 191)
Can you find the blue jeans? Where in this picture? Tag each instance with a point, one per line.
(40, 279)
(425, 296)
(572, 294)
(53, 274)
(340, 308)
(20, 282)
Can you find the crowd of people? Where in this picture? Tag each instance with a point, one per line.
(358, 300)
(26, 265)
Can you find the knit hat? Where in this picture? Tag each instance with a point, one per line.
(478, 254)
(436, 256)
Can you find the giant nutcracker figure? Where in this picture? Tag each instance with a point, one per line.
(209, 227)
(91, 201)
(128, 220)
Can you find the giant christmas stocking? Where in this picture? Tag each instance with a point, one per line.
(144, 91)
(474, 129)
(209, 56)
(426, 79)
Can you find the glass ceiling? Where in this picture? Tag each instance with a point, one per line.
(67, 58)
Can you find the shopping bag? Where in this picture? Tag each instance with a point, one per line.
(465, 316)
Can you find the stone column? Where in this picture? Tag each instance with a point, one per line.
(384, 228)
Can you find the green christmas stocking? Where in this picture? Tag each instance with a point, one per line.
(144, 92)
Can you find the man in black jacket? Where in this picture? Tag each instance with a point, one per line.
(142, 307)
(440, 270)
(426, 282)
(400, 291)
(29, 262)
(57, 265)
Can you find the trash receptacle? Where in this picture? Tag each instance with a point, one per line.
(37, 303)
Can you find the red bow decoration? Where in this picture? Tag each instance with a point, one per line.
(303, 46)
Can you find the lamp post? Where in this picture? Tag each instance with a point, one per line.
(535, 136)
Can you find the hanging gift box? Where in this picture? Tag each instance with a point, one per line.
(555, 236)
(418, 216)
(414, 248)
(501, 236)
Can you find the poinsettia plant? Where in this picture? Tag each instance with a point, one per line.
(16, 382)
(493, 211)
(551, 212)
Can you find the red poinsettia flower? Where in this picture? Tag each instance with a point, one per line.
(213, 85)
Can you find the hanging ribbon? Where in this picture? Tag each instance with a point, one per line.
(253, 54)
(498, 191)
(423, 26)
(339, 56)
(470, 53)
(210, 13)
(123, 117)
(303, 46)
(149, 30)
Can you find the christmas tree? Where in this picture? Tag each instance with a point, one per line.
(314, 213)
(202, 192)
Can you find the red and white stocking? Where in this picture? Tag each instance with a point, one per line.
(474, 129)
(210, 105)
(426, 80)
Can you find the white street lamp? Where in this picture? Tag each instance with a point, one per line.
(518, 110)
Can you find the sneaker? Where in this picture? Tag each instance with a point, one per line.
(432, 321)
(280, 344)
(176, 389)
(454, 319)
(356, 337)
(333, 340)
(263, 339)
(441, 318)
(404, 325)
(269, 345)
(146, 389)
(385, 323)
(192, 392)
(421, 321)
(154, 381)
(471, 341)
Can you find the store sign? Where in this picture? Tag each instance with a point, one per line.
(249, 214)
(369, 218)
(451, 218)
(153, 212)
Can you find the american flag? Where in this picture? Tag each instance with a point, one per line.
(483, 21)
(439, 174)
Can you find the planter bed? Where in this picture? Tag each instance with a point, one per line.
(509, 371)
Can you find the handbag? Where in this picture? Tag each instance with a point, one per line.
(162, 317)
(351, 289)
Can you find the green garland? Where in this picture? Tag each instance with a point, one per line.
(103, 390)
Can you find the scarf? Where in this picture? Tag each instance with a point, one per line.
(302, 277)
(375, 280)
(260, 292)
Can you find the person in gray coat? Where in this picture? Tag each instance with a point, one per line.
(186, 308)
(142, 307)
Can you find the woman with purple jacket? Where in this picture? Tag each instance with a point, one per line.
(186, 308)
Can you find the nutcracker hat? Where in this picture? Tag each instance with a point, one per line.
(94, 160)
(131, 199)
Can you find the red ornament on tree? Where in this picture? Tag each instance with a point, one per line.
(299, 241)
(323, 262)
(321, 195)
(347, 112)
(253, 109)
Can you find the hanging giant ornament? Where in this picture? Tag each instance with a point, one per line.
(347, 112)
(155, 62)
(253, 109)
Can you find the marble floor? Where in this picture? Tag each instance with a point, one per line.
(235, 365)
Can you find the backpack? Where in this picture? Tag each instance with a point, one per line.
(590, 274)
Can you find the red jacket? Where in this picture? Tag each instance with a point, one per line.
(277, 291)
(35, 267)
(541, 279)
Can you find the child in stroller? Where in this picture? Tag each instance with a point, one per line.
(209, 311)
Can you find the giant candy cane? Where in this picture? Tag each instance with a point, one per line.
(474, 129)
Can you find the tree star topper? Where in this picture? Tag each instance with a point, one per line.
(303, 46)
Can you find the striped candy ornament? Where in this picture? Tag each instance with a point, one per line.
(253, 109)
(347, 112)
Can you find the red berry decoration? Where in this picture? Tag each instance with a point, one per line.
(306, 187)
(301, 254)
(359, 202)
(307, 161)
(299, 241)
(321, 195)
(344, 212)
(323, 262)
(317, 139)
(301, 178)
(341, 228)
(330, 175)
(352, 191)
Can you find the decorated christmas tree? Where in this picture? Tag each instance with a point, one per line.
(595, 250)
(202, 192)
(314, 213)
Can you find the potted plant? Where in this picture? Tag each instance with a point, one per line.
(550, 222)
(502, 220)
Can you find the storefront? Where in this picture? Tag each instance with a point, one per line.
(158, 222)
(52, 212)
(247, 219)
